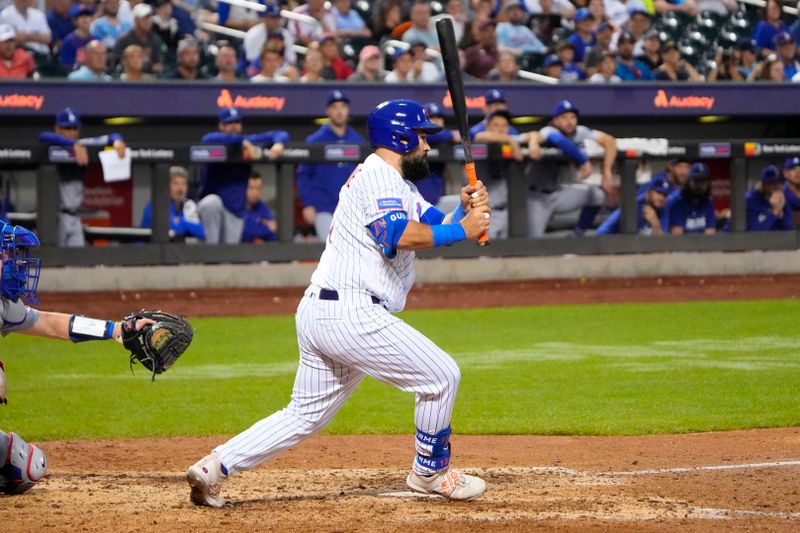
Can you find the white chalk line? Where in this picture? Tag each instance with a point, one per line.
(685, 469)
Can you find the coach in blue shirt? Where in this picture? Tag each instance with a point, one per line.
(224, 185)
(791, 189)
(767, 208)
(690, 209)
(319, 183)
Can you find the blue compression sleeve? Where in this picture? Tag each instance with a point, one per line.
(387, 231)
(457, 215)
(570, 149)
(447, 234)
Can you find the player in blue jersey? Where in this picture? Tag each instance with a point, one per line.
(184, 220)
(690, 209)
(767, 209)
(791, 189)
(224, 185)
(319, 183)
(650, 208)
(494, 100)
(676, 173)
(259, 222)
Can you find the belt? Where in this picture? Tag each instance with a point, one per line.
(330, 294)
(73, 212)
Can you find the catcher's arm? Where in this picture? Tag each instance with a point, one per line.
(77, 328)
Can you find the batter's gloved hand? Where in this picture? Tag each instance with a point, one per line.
(3, 399)
(159, 342)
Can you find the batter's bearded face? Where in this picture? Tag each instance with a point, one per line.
(414, 166)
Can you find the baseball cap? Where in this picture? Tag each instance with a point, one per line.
(273, 10)
(636, 10)
(7, 32)
(80, 10)
(792, 162)
(492, 96)
(747, 44)
(659, 184)
(336, 96)
(434, 110)
(627, 37)
(229, 115)
(552, 59)
(771, 173)
(583, 14)
(183, 44)
(399, 52)
(604, 26)
(68, 118)
(782, 38)
(699, 171)
(564, 106)
(368, 52)
(142, 10)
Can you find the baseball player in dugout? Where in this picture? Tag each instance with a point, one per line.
(224, 185)
(319, 183)
(345, 326)
(23, 464)
(71, 176)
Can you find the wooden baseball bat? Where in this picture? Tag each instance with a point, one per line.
(452, 71)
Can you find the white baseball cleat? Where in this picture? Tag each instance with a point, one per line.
(452, 484)
(205, 477)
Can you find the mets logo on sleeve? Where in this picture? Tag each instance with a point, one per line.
(390, 203)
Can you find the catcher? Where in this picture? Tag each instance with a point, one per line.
(155, 339)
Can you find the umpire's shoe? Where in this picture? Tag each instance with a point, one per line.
(452, 484)
(205, 477)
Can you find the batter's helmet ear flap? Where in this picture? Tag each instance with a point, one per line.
(395, 124)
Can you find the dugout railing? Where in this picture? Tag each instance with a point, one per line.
(154, 247)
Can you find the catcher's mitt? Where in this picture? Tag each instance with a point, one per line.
(156, 345)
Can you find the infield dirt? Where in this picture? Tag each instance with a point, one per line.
(697, 482)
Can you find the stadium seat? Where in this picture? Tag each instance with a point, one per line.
(726, 38)
(689, 50)
(350, 47)
(531, 61)
(741, 23)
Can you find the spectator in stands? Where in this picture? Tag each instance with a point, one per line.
(335, 67)
(791, 189)
(513, 35)
(14, 62)
(348, 22)
(545, 23)
(507, 69)
(95, 59)
(482, 57)
(638, 25)
(603, 37)
(563, 7)
(767, 208)
(432, 188)
(770, 26)
(628, 68)
(58, 20)
(225, 64)
(787, 54)
(270, 63)
(71, 52)
(570, 71)
(387, 16)
(552, 66)
(402, 61)
(560, 187)
(108, 27)
(583, 39)
(771, 69)
(312, 67)
(493, 100)
(166, 26)
(690, 209)
(746, 59)
(72, 175)
(649, 213)
(421, 29)
(606, 70)
(619, 11)
(683, 6)
(275, 42)
(256, 37)
(794, 29)
(142, 34)
(722, 8)
(259, 222)
(651, 50)
(674, 67)
(224, 185)
(133, 63)
(184, 220)
(319, 183)
(676, 173)
(33, 31)
(724, 67)
(370, 66)
(458, 14)
(305, 33)
(423, 69)
(188, 66)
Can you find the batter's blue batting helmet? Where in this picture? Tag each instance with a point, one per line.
(20, 272)
(394, 125)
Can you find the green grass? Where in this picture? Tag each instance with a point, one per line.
(594, 369)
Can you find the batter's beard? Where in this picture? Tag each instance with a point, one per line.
(414, 169)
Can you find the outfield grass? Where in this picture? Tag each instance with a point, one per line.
(591, 369)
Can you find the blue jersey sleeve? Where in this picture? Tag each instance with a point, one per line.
(570, 149)
(432, 217)
(217, 137)
(711, 215)
(387, 231)
(51, 137)
(611, 224)
(147, 216)
(269, 137)
(305, 185)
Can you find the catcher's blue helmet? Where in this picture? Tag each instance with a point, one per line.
(20, 272)
(394, 125)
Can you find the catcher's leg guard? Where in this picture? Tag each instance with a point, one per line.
(26, 465)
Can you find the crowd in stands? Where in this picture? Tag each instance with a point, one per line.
(394, 41)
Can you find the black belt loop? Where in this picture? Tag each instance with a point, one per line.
(332, 295)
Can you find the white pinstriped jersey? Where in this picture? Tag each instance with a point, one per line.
(352, 260)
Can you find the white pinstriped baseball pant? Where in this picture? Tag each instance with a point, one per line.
(340, 343)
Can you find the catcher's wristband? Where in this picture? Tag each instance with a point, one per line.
(83, 329)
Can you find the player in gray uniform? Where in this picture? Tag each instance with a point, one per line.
(71, 176)
(23, 464)
(345, 329)
(559, 187)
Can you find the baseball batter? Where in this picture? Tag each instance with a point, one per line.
(345, 328)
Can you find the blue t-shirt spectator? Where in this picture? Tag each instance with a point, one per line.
(637, 72)
(766, 32)
(107, 32)
(351, 21)
(68, 55)
(760, 216)
(255, 226)
(60, 26)
(581, 46)
(693, 215)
